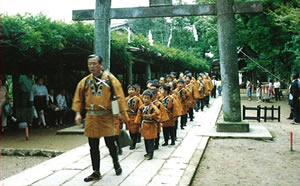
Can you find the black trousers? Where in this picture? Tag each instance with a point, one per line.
(183, 120)
(295, 109)
(206, 101)
(156, 141)
(169, 131)
(214, 91)
(191, 113)
(134, 138)
(95, 152)
(149, 146)
(277, 94)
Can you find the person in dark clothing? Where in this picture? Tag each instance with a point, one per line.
(294, 99)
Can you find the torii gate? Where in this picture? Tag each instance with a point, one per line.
(223, 9)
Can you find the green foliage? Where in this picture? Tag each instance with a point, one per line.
(46, 44)
(274, 36)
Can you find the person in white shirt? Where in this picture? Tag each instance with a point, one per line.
(40, 97)
(62, 105)
(277, 89)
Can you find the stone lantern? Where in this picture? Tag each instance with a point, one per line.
(160, 2)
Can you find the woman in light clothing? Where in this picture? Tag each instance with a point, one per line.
(40, 95)
(249, 90)
(270, 90)
(258, 91)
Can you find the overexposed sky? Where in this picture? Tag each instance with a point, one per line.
(62, 9)
(59, 9)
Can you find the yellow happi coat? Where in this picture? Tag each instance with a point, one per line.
(133, 104)
(163, 114)
(148, 125)
(173, 109)
(97, 97)
(182, 96)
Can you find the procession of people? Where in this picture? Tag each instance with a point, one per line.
(160, 108)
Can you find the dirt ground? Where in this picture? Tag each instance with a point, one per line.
(45, 139)
(254, 162)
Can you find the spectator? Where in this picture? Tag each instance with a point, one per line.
(270, 90)
(24, 110)
(277, 89)
(214, 90)
(219, 86)
(52, 109)
(40, 97)
(258, 91)
(294, 99)
(4, 100)
(62, 105)
(249, 90)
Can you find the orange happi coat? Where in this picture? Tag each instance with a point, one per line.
(149, 117)
(96, 96)
(133, 104)
(173, 109)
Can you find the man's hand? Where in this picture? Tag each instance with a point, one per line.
(78, 118)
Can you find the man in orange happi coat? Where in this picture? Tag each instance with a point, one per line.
(94, 94)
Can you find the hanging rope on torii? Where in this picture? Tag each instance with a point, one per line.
(223, 9)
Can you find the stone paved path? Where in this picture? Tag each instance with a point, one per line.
(171, 165)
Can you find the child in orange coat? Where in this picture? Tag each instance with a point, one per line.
(148, 115)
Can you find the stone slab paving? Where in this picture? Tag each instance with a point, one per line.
(171, 165)
(256, 132)
(77, 129)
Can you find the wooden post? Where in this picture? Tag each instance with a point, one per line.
(102, 31)
(278, 113)
(129, 70)
(258, 113)
(265, 119)
(148, 71)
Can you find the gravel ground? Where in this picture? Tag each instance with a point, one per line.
(39, 139)
(254, 162)
(11, 165)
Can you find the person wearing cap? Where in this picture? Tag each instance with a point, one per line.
(94, 93)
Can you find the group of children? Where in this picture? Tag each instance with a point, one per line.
(159, 107)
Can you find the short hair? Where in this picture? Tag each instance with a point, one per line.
(99, 58)
(149, 81)
(147, 93)
(136, 86)
(173, 73)
(186, 72)
(154, 91)
(168, 76)
(189, 76)
(180, 81)
(131, 86)
(166, 88)
(155, 84)
(295, 76)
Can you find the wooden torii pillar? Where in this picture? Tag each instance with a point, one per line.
(224, 9)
